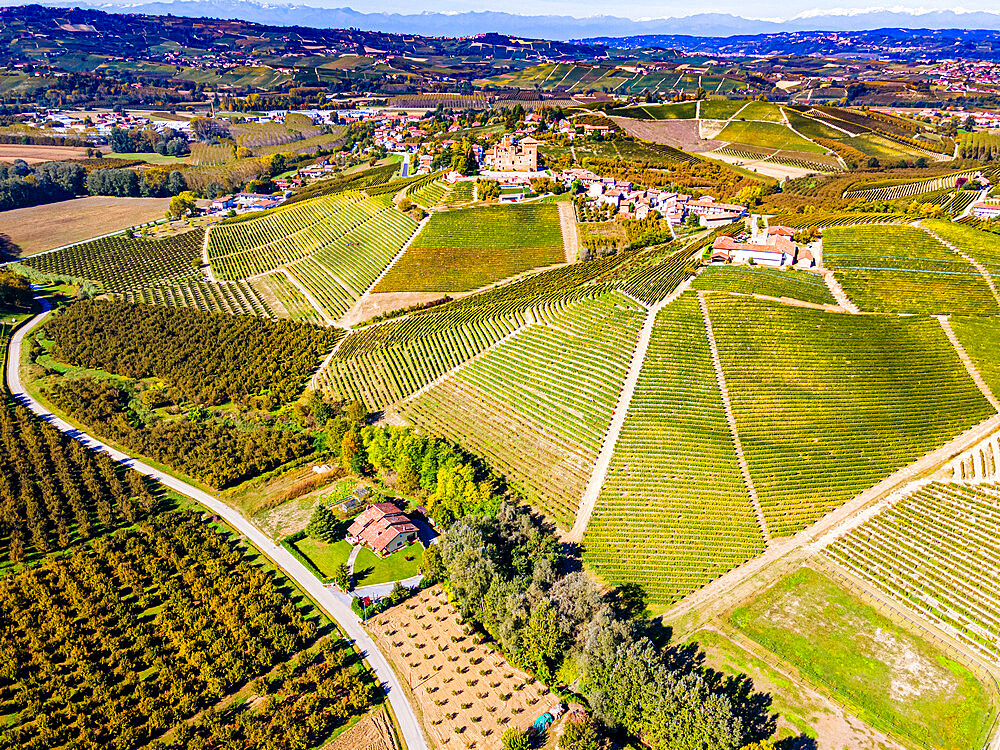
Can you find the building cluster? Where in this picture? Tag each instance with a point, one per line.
(628, 201)
(242, 203)
(988, 210)
(774, 246)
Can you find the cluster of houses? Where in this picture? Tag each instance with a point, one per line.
(631, 202)
(242, 203)
(988, 210)
(774, 246)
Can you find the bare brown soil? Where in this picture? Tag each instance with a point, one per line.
(56, 224)
(682, 134)
(37, 154)
(465, 692)
(376, 304)
(373, 732)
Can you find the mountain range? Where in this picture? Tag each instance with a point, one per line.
(545, 26)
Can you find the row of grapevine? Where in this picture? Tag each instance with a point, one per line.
(827, 405)
(538, 406)
(234, 297)
(674, 512)
(907, 189)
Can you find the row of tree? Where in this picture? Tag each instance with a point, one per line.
(22, 185)
(166, 142)
(205, 358)
(129, 183)
(506, 574)
(122, 640)
(213, 451)
(54, 492)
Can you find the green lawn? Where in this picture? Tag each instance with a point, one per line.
(370, 569)
(326, 557)
(767, 135)
(891, 678)
(465, 249)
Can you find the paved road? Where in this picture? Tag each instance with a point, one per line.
(337, 609)
(405, 171)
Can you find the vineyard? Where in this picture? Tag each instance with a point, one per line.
(469, 248)
(429, 195)
(125, 263)
(827, 405)
(936, 551)
(903, 269)
(131, 623)
(282, 294)
(979, 245)
(824, 219)
(537, 406)
(907, 189)
(203, 155)
(335, 246)
(674, 512)
(235, 297)
(980, 337)
(384, 363)
(771, 282)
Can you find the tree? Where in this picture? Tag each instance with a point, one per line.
(324, 524)
(431, 564)
(182, 204)
(515, 738)
(349, 448)
(580, 735)
(342, 577)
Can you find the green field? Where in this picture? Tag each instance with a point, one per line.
(761, 111)
(827, 404)
(720, 109)
(893, 679)
(469, 248)
(770, 282)
(767, 135)
(903, 269)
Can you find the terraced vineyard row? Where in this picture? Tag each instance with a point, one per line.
(903, 269)
(906, 189)
(384, 363)
(984, 247)
(262, 244)
(835, 219)
(538, 406)
(124, 263)
(237, 297)
(827, 405)
(340, 271)
(771, 282)
(936, 551)
(674, 513)
(286, 295)
(428, 195)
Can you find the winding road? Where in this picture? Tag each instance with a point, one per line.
(334, 607)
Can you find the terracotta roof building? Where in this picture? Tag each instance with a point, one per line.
(383, 528)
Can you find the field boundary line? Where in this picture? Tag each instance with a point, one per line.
(588, 501)
(970, 366)
(803, 544)
(406, 246)
(307, 294)
(210, 274)
(975, 263)
(838, 292)
(731, 420)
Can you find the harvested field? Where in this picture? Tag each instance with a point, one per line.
(37, 154)
(465, 692)
(682, 134)
(41, 228)
(373, 732)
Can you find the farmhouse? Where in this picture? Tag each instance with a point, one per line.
(776, 249)
(986, 210)
(383, 528)
(508, 156)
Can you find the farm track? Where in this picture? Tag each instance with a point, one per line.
(337, 610)
(570, 235)
(307, 294)
(838, 292)
(593, 490)
(969, 365)
(731, 421)
(209, 274)
(785, 554)
(975, 263)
